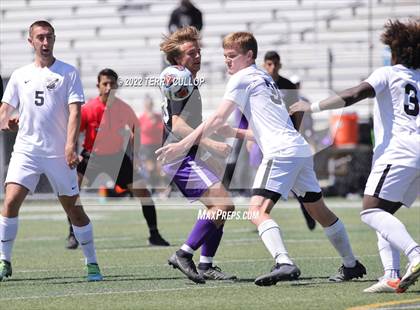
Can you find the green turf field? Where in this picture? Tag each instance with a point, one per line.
(47, 276)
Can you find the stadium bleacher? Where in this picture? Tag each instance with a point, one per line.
(125, 35)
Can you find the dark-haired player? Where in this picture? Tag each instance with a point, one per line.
(104, 121)
(395, 177)
(48, 94)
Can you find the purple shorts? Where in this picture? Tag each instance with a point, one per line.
(192, 176)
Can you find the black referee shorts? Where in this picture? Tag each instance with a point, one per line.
(106, 164)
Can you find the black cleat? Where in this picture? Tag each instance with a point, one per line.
(72, 242)
(5, 269)
(157, 240)
(186, 265)
(348, 273)
(279, 272)
(215, 273)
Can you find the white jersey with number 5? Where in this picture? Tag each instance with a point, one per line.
(259, 99)
(396, 116)
(42, 96)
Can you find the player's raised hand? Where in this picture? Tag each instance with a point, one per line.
(300, 106)
(170, 152)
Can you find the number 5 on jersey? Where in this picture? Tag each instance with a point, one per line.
(39, 97)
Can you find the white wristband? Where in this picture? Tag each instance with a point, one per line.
(315, 107)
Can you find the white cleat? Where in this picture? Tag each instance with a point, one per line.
(383, 286)
(411, 276)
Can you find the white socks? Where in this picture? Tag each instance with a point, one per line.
(8, 232)
(337, 235)
(206, 259)
(187, 248)
(392, 230)
(84, 236)
(270, 234)
(390, 258)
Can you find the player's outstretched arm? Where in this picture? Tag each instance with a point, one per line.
(6, 111)
(73, 134)
(182, 129)
(343, 99)
(209, 126)
(227, 131)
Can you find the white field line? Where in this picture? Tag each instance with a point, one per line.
(234, 285)
(121, 205)
(123, 292)
(230, 261)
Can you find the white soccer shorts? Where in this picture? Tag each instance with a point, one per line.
(26, 171)
(394, 183)
(282, 174)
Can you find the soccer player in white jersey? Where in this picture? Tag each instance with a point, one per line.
(287, 159)
(48, 94)
(395, 177)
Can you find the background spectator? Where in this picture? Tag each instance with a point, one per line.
(186, 14)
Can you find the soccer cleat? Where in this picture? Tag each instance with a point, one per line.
(94, 274)
(72, 242)
(186, 265)
(215, 273)
(411, 276)
(5, 269)
(157, 240)
(383, 286)
(279, 272)
(348, 273)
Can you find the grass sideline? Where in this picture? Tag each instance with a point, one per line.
(46, 276)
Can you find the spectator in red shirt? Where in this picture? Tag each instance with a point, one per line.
(151, 133)
(108, 123)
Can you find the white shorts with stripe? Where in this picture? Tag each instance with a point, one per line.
(394, 183)
(26, 171)
(282, 174)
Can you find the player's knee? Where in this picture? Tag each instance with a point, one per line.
(11, 205)
(311, 197)
(257, 213)
(76, 213)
